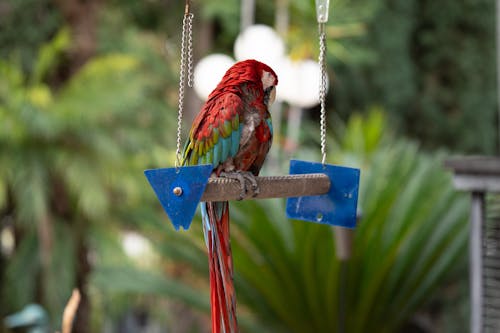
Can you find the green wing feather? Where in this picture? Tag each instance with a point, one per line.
(216, 132)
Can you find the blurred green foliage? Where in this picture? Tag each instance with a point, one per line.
(71, 162)
(24, 26)
(432, 66)
(72, 152)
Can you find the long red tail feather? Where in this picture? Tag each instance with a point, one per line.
(222, 294)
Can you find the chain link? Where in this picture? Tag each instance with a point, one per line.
(186, 68)
(322, 88)
(189, 51)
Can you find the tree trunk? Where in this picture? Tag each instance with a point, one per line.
(81, 16)
(81, 323)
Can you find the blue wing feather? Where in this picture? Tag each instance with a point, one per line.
(226, 146)
(217, 154)
(235, 141)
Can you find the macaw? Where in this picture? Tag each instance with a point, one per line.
(233, 132)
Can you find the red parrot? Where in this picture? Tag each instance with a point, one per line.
(233, 132)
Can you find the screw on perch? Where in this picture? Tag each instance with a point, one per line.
(177, 191)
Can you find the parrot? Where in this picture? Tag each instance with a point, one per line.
(233, 133)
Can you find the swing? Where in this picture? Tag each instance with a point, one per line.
(315, 191)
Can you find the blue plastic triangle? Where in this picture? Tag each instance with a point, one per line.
(338, 206)
(191, 180)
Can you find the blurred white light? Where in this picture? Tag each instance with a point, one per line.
(309, 79)
(135, 245)
(7, 241)
(208, 73)
(261, 43)
(298, 82)
(287, 75)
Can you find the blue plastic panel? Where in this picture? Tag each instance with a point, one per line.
(192, 181)
(337, 207)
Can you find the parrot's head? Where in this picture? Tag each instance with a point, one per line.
(269, 81)
(255, 73)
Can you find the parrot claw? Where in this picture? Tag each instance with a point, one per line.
(242, 177)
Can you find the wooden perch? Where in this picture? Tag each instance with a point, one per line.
(223, 189)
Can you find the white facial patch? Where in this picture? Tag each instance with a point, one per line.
(267, 80)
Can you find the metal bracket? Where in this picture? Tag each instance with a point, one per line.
(337, 206)
(179, 190)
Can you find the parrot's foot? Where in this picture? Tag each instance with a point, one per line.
(242, 177)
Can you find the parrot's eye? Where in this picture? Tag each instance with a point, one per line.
(269, 95)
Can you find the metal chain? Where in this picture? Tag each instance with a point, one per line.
(322, 88)
(189, 51)
(186, 68)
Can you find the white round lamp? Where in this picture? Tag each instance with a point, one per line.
(261, 43)
(208, 73)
